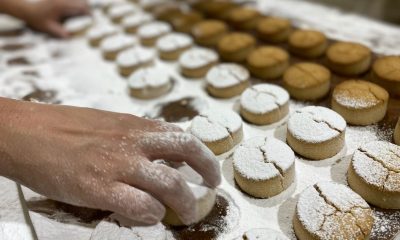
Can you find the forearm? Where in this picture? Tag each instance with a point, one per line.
(16, 8)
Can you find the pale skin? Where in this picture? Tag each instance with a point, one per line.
(93, 158)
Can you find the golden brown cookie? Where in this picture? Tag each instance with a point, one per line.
(243, 18)
(329, 210)
(196, 62)
(273, 29)
(235, 47)
(349, 58)
(150, 82)
(268, 62)
(209, 32)
(132, 22)
(172, 45)
(100, 32)
(386, 72)
(307, 81)
(134, 58)
(216, 8)
(360, 102)
(150, 32)
(374, 173)
(185, 21)
(308, 43)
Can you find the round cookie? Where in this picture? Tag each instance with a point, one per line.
(219, 129)
(118, 11)
(386, 72)
(172, 45)
(209, 32)
(167, 11)
(374, 173)
(307, 81)
(100, 32)
(263, 234)
(11, 27)
(273, 29)
(235, 47)
(77, 26)
(216, 9)
(134, 58)
(308, 43)
(396, 136)
(150, 82)
(316, 132)
(268, 62)
(150, 32)
(264, 104)
(243, 18)
(263, 166)
(196, 62)
(205, 197)
(360, 102)
(113, 45)
(349, 58)
(131, 23)
(185, 21)
(330, 210)
(227, 80)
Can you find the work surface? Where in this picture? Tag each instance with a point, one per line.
(85, 79)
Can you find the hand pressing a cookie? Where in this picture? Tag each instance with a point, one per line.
(45, 15)
(102, 160)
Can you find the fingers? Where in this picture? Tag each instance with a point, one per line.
(167, 185)
(133, 204)
(183, 147)
(165, 126)
(56, 29)
(75, 7)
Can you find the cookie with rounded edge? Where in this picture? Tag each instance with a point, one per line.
(115, 44)
(150, 32)
(227, 80)
(209, 32)
(119, 11)
(235, 47)
(308, 43)
(374, 173)
(131, 23)
(219, 129)
(99, 32)
(196, 62)
(264, 104)
(172, 45)
(243, 18)
(268, 62)
(329, 210)
(185, 21)
(134, 58)
(360, 102)
(316, 133)
(263, 166)
(274, 29)
(150, 82)
(78, 26)
(349, 58)
(386, 72)
(307, 81)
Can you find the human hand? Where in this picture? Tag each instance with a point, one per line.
(102, 160)
(47, 15)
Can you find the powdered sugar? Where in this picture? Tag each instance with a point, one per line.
(264, 234)
(174, 41)
(227, 75)
(197, 58)
(136, 20)
(378, 163)
(263, 98)
(213, 125)
(262, 158)
(150, 77)
(117, 42)
(316, 124)
(101, 30)
(135, 56)
(77, 24)
(153, 29)
(123, 9)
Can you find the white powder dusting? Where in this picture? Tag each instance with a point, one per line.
(262, 158)
(316, 124)
(136, 20)
(227, 75)
(213, 125)
(174, 41)
(263, 98)
(135, 56)
(197, 58)
(120, 10)
(264, 234)
(77, 24)
(117, 42)
(101, 30)
(153, 29)
(154, 76)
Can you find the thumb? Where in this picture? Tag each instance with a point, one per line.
(56, 29)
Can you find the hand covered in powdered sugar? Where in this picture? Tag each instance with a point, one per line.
(104, 160)
(47, 15)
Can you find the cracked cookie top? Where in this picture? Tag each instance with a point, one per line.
(306, 75)
(198, 58)
(267, 56)
(263, 158)
(388, 68)
(347, 53)
(227, 75)
(378, 163)
(213, 125)
(359, 94)
(174, 41)
(330, 210)
(263, 98)
(315, 124)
